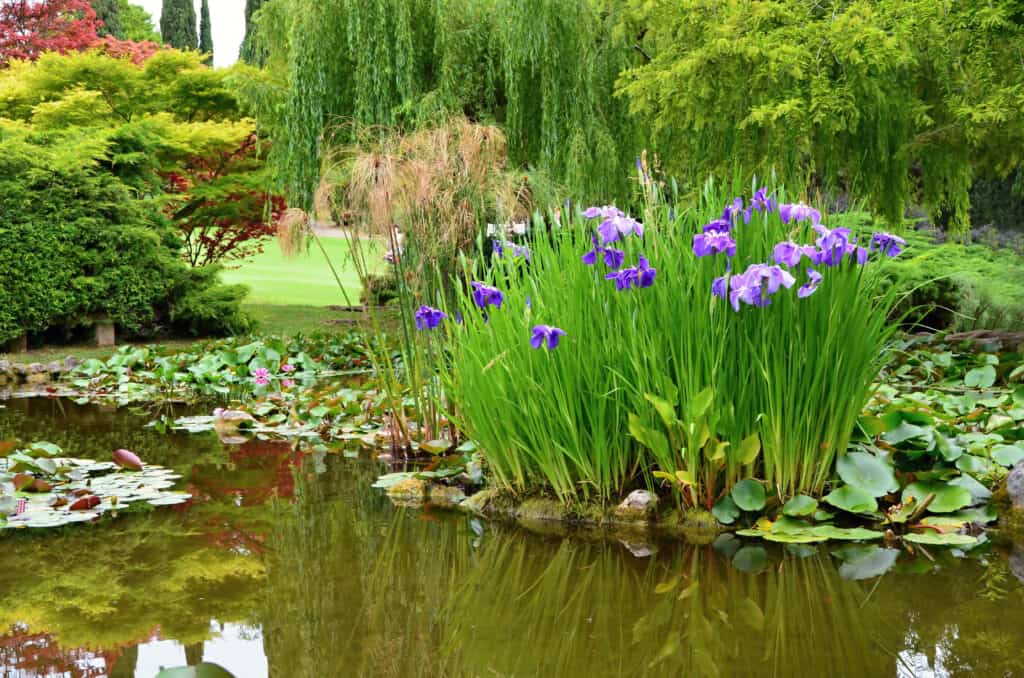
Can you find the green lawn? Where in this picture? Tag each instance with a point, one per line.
(303, 279)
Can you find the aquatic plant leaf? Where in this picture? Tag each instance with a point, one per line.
(940, 538)
(750, 559)
(725, 510)
(845, 533)
(970, 463)
(436, 446)
(867, 472)
(801, 505)
(727, 544)
(948, 498)
(8, 505)
(980, 377)
(907, 432)
(85, 503)
(949, 450)
(1007, 455)
(749, 495)
(865, 562)
(786, 538)
(749, 448)
(801, 550)
(46, 448)
(853, 499)
(968, 482)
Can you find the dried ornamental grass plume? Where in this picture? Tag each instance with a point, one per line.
(428, 318)
(548, 334)
(292, 231)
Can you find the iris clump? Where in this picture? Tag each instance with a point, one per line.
(428, 318)
(752, 365)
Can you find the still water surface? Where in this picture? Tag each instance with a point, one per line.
(289, 565)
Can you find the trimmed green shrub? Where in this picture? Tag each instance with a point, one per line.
(76, 244)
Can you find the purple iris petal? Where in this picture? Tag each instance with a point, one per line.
(713, 241)
(485, 295)
(720, 287)
(723, 225)
(732, 212)
(833, 245)
(498, 248)
(605, 212)
(888, 244)
(808, 288)
(546, 333)
(645, 273)
(797, 212)
(613, 258)
(428, 318)
(615, 227)
(788, 253)
(641, 275)
(756, 285)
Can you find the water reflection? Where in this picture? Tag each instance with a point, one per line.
(289, 568)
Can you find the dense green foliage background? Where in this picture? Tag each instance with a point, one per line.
(895, 101)
(88, 147)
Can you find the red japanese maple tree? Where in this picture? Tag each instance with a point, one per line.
(30, 27)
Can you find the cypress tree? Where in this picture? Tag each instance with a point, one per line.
(206, 32)
(178, 24)
(109, 12)
(248, 52)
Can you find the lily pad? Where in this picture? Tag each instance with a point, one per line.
(853, 499)
(749, 495)
(725, 510)
(800, 506)
(948, 498)
(868, 472)
(1007, 455)
(940, 538)
(980, 377)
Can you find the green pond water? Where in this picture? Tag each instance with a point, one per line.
(289, 564)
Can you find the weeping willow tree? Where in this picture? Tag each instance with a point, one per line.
(544, 70)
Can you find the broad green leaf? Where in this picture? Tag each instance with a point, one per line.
(1007, 455)
(790, 525)
(948, 498)
(970, 463)
(436, 446)
(998, 421)
(949, 450)
(749, 495)
(749, 449)
(701, 402)
(904, 432)
(725, 510)
(867, 472)
(46, 448)
(800, 505)
(787, 538)
(845, 533)
(665, 410)
(968, 482)
(940, 538)
(980, 377)
(853, 499)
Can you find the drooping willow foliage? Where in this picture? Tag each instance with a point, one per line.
(542, 69)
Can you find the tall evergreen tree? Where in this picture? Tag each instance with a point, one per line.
(248, 51)
(109, 12)
(206, 32)
(178, 24)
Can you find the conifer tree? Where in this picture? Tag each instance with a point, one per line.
(178, 24)
(206, 32)
(248, 52)
(109, 12)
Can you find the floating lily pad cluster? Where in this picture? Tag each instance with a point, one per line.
(39, 489)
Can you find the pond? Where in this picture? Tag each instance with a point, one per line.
(289, 564)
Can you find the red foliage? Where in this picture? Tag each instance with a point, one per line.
(138, 52)
(30, 27)
(220, 211)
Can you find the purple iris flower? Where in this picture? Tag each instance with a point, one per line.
(761, 202)
(485, 295)
(723, 225)
(808, 288)
(888, 244)
(613, 258)
(641, 275)
(833, 245)
(756, 285)
(613, 228)
(797, 212)
(714, 241)
(789, 253)
(606, 212)
(548, 333)
(498, 248)
(428, 318)
(720, 286)
(732, 212)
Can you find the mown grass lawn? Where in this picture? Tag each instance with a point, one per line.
(302, 279)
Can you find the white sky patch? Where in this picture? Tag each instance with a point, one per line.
(228, 19)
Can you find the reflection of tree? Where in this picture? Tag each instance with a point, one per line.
(116, 584)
